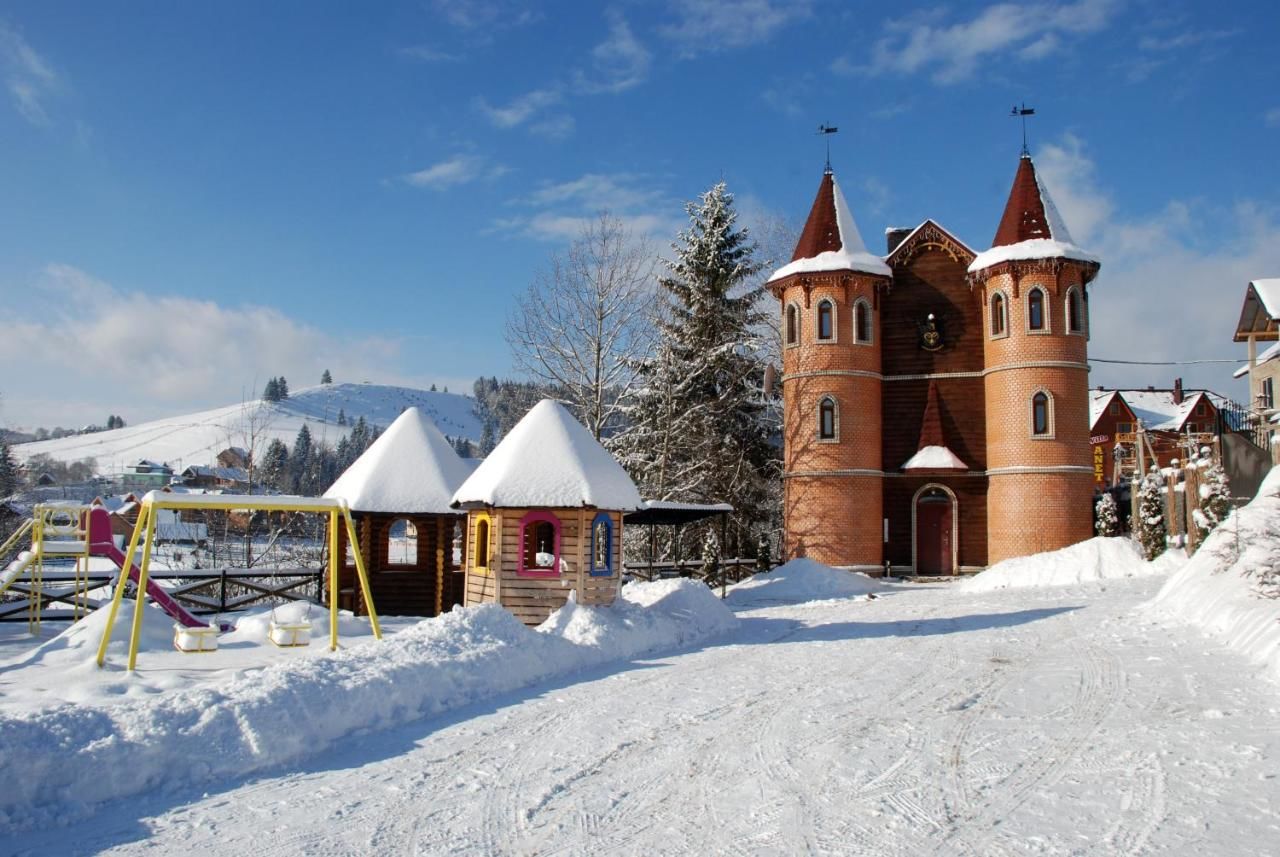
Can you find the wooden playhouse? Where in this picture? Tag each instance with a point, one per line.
(399, 493)
(544, 518)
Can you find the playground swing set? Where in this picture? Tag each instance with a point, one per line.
(61, 532)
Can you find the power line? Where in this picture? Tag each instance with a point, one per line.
(1165, 362)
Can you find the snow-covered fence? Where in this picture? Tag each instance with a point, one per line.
(1195, 496)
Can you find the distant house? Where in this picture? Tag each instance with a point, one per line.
(1111, 422)
(1260, 322)
(225, 478)
(146, 475)
(234, 456)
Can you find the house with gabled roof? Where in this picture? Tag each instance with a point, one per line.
(1260, 322)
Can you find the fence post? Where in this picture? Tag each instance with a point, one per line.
(222, 590)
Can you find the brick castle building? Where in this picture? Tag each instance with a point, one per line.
(935, 400)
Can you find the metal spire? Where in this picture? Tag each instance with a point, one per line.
(1024, 111)
(826, 131)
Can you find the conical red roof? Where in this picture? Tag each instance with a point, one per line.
(1024, 215)
(830, 240)
(932, 452)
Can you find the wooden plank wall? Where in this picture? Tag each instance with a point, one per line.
(400, 590)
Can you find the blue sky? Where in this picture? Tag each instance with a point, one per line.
(200, 196)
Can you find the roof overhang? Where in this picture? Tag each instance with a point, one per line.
(1255, 321)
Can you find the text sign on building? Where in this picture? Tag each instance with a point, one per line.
(1099, 464)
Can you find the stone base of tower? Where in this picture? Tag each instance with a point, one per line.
(836, 520)
(1029, 513)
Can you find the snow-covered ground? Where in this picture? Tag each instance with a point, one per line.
(198, 438)
(1061, 719)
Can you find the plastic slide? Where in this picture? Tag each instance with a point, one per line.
(102, 544)
(15, 569)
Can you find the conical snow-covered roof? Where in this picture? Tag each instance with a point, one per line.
(548, 460)
(409, 469)
(830, 240)
(933, 453)
(1031, 227)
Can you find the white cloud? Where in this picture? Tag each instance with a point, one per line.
(954, 51)
(564, 208)
(486, 15)
(426, 53)
(147, 355)
(708, 26)
(559, 127)
(451, 172)
(28, 76)
(1172, 281)
(520, 109)
(1272, 117)
(619, 63)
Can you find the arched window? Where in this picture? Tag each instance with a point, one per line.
(402, 542)
(539, 545)
(862, 322)
(998, 321)
(827, 418)
(1075, 313)
(602, 546)
(792, 324)
(481, 555)
(1035, 310)
(1041, 414)
(826, 320)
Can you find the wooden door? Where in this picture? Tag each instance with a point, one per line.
(934, 515)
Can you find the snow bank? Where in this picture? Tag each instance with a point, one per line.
(1096, 559)
(59, 763)
(1230, 589)
(801, 580)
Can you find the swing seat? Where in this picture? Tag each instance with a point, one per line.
(288, 635)
(200, 639)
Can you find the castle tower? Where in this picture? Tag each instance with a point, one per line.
(1032, 285)
(831, 387)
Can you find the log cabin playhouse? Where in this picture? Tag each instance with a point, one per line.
(935, 399)
(544, 518)
(399, 493)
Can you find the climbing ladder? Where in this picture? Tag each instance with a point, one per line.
(58, 532)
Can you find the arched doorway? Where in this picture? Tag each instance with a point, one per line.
(934, 514)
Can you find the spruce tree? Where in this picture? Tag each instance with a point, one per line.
(282, 387)
(1107, 518)
(300, 460)
(1215, 496)
(1149, 528)
(271, 391)
(274, 470)
(326, 378)
(699, 429)
(342, 417)
(8, 470)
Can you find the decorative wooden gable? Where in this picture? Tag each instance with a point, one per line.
(929, 236)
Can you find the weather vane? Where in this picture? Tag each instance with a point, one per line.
(827, 130)
(1024, 111)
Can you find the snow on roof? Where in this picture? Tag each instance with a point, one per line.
(672, 505)
(935, 457)
(1269, 354)
(850, 254)
(548, 460)
(1031, 227)
(1159, 412)
(410, 468)
(1269, 293)
(1098, 401)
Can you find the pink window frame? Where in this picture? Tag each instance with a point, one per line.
(531, 518)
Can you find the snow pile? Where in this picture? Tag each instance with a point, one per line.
(59, 762)
(548, 460)
(1230, 589)
(801, 580)
(1096, 559)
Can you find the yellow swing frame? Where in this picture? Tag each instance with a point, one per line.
(335, 509)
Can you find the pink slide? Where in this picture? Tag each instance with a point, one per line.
(101, 543)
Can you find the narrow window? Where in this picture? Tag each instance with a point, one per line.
(827, 419)
(1040, 414)
(826, 328)
(1035, 309)
(1268, 394)
(997, 314)
(793, 325)
(1073, 311)
(602, 546)
(482, 543)
(1200, 409)
(540, 545)
(1114, 409)
(862, 322)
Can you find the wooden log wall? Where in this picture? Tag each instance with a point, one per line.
(425, 586)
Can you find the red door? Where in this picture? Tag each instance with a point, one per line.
(933, 533)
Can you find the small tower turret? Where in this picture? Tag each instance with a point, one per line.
(831, 383)
(1032, 283)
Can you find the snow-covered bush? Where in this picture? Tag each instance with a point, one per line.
(710, 554)
(1215, 497)
(1149, 528)
(764, 552)
(1108, 519)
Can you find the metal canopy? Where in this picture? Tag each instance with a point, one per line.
(666, 512)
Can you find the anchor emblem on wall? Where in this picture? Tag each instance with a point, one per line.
(931, 334)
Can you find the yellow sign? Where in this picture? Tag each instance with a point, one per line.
(1099, 464)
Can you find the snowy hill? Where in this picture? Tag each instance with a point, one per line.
(197, 438)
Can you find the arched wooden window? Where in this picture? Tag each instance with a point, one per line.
(1041, 415)
(539, 545)
(1035, 310)
(826, 320)
(1075, 313)
(792, 324)
(827, 414)
(481, 561)
(602, 546)
(998, 321)
(862, 322)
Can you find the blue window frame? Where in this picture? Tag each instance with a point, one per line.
(602, 546)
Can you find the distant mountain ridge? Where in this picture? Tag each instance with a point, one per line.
(197, 438)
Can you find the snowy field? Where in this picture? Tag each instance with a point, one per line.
(1078, 702)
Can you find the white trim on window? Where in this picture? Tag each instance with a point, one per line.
(817, 322)
(1076, 313)
(1047, 326)
(834, 437)
(787, 341)
(862, 304)
(1048, 433)
(991, 302)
